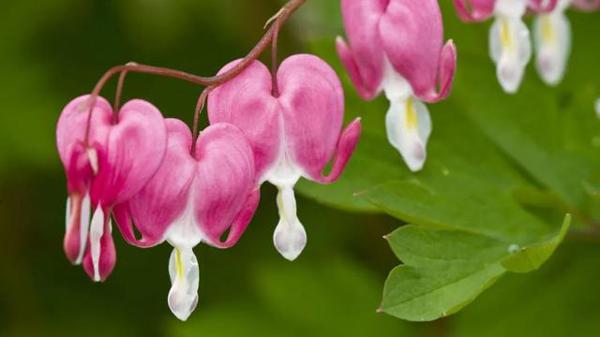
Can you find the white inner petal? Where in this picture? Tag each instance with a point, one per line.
(408, 126)
(407, 121)
(185, 232)
(290, 236)
(84, 225)
(96, 231)
(510, 49)
(552, 37)
(68, 214)
(93, 158)
(511, 8)
(185, 275)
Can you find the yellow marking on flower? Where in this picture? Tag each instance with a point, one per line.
(411, 114)
(178, 263)
(548, 32)
(505, 35)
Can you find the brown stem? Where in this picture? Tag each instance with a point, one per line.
(197, 112)
(286, 11)
(118, 94)
(274, 60)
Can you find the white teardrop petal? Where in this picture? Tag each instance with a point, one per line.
(185, 275)
(96, 231)
(290, 236)
(552, 38)
(408, 126)
(510, 49)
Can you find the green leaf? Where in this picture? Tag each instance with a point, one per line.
(444, 270)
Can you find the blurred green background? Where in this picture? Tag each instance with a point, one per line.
(52, 51)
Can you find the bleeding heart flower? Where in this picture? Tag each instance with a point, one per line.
(510, 47)
(193, 198)
(120, 154)
(293, 135)
(396, 46)
(552, 37)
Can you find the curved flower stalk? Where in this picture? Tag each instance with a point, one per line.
(193, 198)
(552, 39)
(293, 135)
(396, 46)
(105, 165)
(510, 47)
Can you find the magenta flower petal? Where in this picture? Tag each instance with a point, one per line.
(135, 149)
(78, 218)
(474, 10)
(364, 57)
(225, 184)
(415, 52)
(165, 196)
(313, 111)
(345, 147)
(247, 102)
(542, 6)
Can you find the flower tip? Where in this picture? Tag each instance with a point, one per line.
(289, 240)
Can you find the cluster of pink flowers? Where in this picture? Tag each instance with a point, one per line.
(159, 182)
(151, 176)
(510, 44)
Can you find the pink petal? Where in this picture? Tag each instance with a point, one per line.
(76, 233)
(247, 102)
(136, 148)
(542, 6)
(224, 182)
(70, 135)
(412, 33)
(165, 196)
(345, 148)
(474, 10)
(586, 5)
(313, 111)
(364, 58)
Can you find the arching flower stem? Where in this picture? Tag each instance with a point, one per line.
(283, 15)
(199, 107)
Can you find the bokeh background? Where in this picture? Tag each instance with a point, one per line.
(54, 50)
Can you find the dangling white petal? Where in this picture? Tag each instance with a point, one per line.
(84, 225)
(511, 8)
(68, 214)
(552, 37)
(96, 231)
(597, 106)
(289, 237)
(93, 158)
(408, 127)
(510, 49)
(185, 275)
